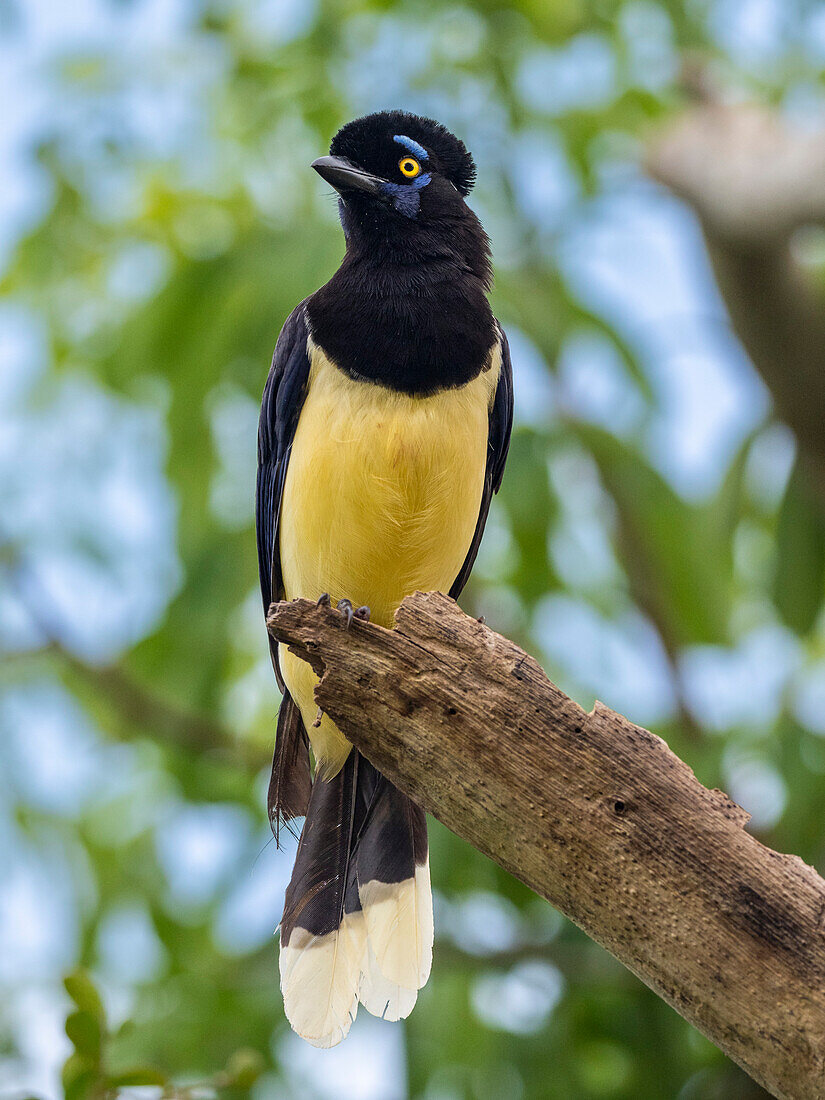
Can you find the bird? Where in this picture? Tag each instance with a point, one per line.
(384, 429)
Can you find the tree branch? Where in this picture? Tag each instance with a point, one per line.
(753, 180)
(133, 703)
(593, 813)
(138, 707)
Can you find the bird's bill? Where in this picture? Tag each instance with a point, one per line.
(346, 176)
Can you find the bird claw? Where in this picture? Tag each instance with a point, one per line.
(350, 613)
(323, 600)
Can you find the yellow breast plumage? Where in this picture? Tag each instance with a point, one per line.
(382, 497)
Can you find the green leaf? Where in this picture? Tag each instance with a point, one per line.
(135, 1077)
(82, 991)
(527, 497)
(531, 298)
(244, 1068)
(799, 580)
(85, 1033)
(78, 1077)
(677, 556)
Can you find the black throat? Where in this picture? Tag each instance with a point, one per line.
(408, 306)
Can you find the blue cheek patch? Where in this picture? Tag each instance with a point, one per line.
(406, 197)
(412, 147)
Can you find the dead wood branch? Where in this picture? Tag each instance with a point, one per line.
(593, 813)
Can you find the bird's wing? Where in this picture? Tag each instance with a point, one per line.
(498, 443)
(281, 406)
(283, 398)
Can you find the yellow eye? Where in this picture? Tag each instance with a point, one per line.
(409, 167)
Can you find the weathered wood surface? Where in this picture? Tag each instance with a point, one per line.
(596, 815)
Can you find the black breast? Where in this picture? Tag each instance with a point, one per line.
(416, 328)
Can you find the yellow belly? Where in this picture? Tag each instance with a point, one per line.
(382, 497)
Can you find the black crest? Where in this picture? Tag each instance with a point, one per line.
(368, 142)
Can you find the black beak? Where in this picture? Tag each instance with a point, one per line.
(346, 176)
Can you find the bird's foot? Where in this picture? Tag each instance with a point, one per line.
(350, 613)
(323, 600)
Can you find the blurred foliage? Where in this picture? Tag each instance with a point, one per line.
(167, 257)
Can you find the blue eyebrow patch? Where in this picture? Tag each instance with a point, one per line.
(412, 146)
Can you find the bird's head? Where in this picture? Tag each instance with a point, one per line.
(402, 180)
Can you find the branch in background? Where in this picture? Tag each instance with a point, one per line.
(161, 719)
(595, 814)
(133, 703)
(754, 180)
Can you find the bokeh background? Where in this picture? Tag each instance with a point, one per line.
(655, 544)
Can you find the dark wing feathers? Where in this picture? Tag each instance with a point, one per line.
(289, 786)
(498, 443)
(290, 782)
(281, 406)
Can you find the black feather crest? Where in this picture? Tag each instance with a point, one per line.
(368, 141)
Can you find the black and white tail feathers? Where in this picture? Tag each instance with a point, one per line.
(357, 923)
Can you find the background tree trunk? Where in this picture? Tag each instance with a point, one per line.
(754, 181)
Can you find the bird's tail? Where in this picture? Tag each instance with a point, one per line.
(358, 921)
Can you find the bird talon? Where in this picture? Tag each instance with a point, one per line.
(345, 607)
(349, 612)
(323, 600)
(318, 718)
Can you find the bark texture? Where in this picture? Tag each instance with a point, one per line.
(595, 814)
